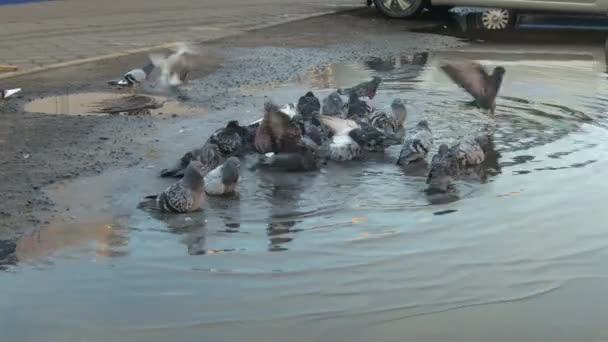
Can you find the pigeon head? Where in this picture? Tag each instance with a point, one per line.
(399, 111)
(376, 80)
(443, 149)
(309, 94)
(270, 107)
(233, 162)
(485, 142)
(499, 71)
(231, 168)
(423, 124)
(194, 173)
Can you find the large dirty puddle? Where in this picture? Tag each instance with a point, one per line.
(355, 252)
(102, 103)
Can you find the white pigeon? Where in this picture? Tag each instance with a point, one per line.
(134, 77)
(4, 93)
(174, 68)
(223, 179)
(343, 146)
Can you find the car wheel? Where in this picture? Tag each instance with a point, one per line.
(496, 19)
(400, 8)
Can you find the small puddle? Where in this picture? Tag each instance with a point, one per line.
(101, 103)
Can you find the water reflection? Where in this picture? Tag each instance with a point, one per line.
(283, 193)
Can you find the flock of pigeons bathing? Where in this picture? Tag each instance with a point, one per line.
(303, 137)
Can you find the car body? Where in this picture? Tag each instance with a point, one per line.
(570, 6)
(495, 14)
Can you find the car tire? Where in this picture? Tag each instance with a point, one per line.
(394, 8)
(496, 19)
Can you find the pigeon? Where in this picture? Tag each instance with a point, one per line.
(333, 105)
(223, 179)
(476, 81)
(417, 147)
(134, 77)
(346, 138)
(277, 131)
(367, 89)
(4, 93)
(391, 124)
(232, 140)
(308, 105)
(472, 151)
(309, 157)
(358, 108)
(209, 155)
(444, 169)
(185, 196)
(174, 68)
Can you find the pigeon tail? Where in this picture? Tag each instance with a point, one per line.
(148, 202)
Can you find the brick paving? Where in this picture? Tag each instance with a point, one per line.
(41, 34)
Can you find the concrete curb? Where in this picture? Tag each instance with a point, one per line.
(167, 45)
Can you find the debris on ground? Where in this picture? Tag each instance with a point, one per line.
(130, 105)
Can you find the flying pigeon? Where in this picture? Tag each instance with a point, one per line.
(174, 68)
(185, 196)
(417, 146)
(476, 81)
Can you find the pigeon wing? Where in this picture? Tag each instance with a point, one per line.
(469, 75)
(338, 126)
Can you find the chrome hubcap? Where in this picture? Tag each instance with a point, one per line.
(397, 4)
(496, 19)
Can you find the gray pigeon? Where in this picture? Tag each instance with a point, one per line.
(418, 145)
(223, 179)
(363, 89)
(476, 81)
(333, 105)
(134, 77)
(308, 105)
(391, 124)
(185, 196)
(232, 140)
(358, 109)
(444, 169)
(278, 131)
(473, 150)
(209, 155)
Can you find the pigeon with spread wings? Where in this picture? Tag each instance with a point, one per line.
(474, 78)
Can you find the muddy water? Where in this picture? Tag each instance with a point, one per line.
(355, 252)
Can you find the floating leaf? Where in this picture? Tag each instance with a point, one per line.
(358, 219)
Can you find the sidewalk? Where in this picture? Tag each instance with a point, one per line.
(43, 34)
